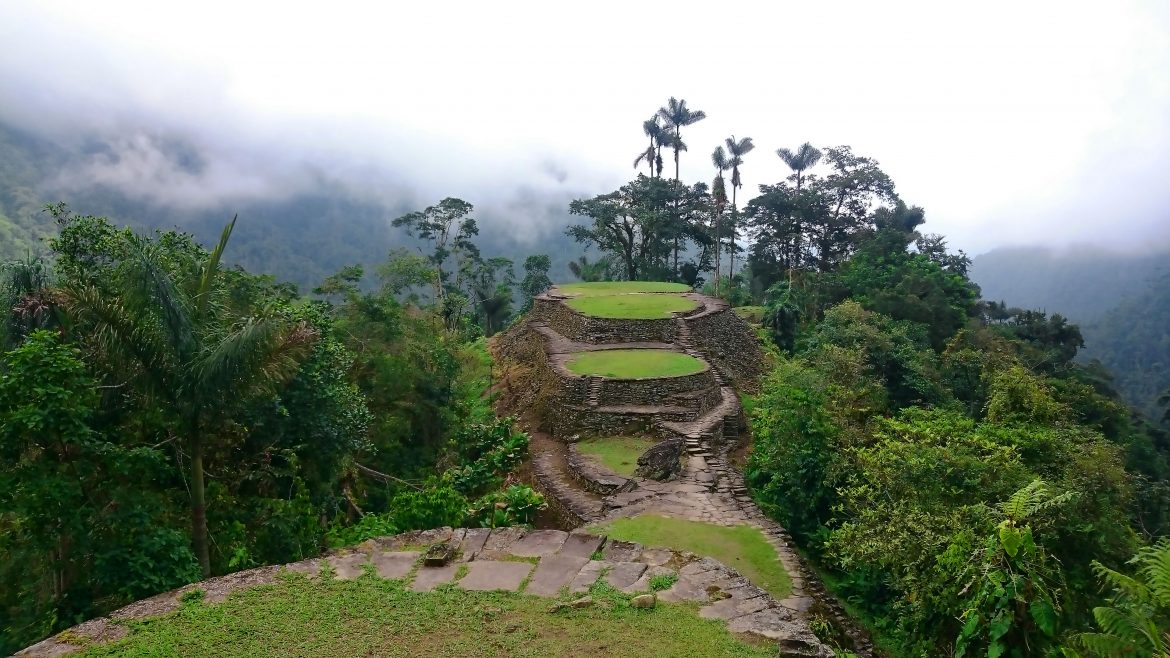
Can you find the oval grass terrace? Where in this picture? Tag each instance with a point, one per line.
(633, 306)
(634, 364)
(619, 288)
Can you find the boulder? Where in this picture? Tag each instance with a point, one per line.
(662, 462)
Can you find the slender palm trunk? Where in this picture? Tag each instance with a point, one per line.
(731, 240)
(718, 225)
(199, 506)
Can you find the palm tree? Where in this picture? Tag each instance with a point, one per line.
(719, 194)
(653, 153)
(675, 114)
(179, 341)
(736, 149)
(805, 157)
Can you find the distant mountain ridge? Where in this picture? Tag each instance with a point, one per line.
(302, 237)
(1121, 301)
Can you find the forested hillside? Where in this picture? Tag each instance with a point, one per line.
(300, 236)
(1121, 301)
(962, 481)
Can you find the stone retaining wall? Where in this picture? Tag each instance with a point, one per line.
(729, 344)
(592, 477)
(653, 391)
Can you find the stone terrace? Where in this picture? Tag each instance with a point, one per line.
(709, 488)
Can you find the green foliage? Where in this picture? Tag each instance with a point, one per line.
(516, 505)
(1136, 621)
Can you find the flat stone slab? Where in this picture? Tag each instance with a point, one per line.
(394, 565)
(490, 575)
(686, 589)
(732, 608)
(348, 567)
(643, 583)
(539, 543)
(624, 574)
(501, 539)
(656, 557)
(579, 544)
(308, 567)
(553, 573)
(428, 578)
(473, 541)
(588, 576)
(621, 551)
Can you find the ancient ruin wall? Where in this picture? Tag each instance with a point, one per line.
(729, 343)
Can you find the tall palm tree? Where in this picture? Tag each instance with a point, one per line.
(181, 343)
(805, 157)
(658, 138)
(719, 194)
(736, 149)
(675, 114)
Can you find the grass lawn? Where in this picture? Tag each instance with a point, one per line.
(635, 364)
(619, 453)
(374, 617)
(753, 314)
(619, 287)
(632, 307)
(741, 547)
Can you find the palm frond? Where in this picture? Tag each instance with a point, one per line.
(1155, 569)
(155, 292)
(211, 268)
(719, 159)
(258, 356)
(125, 341)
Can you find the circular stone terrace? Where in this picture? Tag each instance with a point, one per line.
(642, 364)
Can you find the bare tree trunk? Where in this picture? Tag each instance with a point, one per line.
(199, 506)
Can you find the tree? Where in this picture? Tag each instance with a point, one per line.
(805, 157)
(736, 149)
(173, 330)
(653, 154)
(676, 115)
(628, 223)
(489, 287)
(719, 193)
(448, 228)
(536, 279)
(586, 271)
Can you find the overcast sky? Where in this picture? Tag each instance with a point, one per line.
(1010, 122)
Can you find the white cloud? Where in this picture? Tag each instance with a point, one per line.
(1010, 122)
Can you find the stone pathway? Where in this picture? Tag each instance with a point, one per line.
(545, 563)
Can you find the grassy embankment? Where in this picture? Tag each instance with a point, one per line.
(741, 547)
(635, 364)
(374, 617)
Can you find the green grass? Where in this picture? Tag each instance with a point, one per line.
(635, 364)
(632, 307)
(374, 617)
(741, 547)
(753, 314)
(619, 287)
(619, 453)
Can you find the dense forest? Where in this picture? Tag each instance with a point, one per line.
(960, 478)
(1120, 300)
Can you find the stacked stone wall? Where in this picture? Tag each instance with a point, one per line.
(653, 391)
(729, 343)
